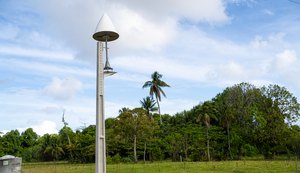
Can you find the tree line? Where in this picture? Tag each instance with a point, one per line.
(241, 121)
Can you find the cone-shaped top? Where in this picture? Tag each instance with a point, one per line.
(105, 30)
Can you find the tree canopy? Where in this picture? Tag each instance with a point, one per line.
(243, 120)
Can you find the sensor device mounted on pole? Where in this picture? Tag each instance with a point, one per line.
(106, 32)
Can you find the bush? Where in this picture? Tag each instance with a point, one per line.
(250, 150)
(109, 160)
(116, 158)
(126, 160)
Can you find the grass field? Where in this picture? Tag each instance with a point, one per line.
(170, 167)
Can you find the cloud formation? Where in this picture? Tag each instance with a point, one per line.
(142, 25)
(41, 128)
(194, 10)
(63, 88)
(47, 53)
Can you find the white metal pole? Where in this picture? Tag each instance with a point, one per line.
(100, 123)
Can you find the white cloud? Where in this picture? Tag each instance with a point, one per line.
(233, 71)
(172, 106)
(268, 12)
(167, 66)
(143, 25)
(213, 61)
(112, 108)
(272, 40)
(137, 32)
(195, 10)
(63, 88)
(76, 21)
(129, 77)
(3, 132)
(8, 31)
(45, 127)
(241, 2)
(166, 36)
(26, 66)
(286, 66)
(259, 42)
(51, 109)
(28, 108)
(35, 53)
(286, 59)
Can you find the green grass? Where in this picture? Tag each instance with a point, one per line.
(169, 167)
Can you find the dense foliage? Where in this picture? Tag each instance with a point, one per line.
(241, 121)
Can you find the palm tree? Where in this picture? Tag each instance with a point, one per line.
(124, 109)
(54, 149)
(205, 113)
(226, 108)
(148, 104)
(155, 86)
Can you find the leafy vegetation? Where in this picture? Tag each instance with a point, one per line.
(242, 121)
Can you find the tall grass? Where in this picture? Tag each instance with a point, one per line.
(169, 167)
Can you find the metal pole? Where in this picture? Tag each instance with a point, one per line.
(100, 123)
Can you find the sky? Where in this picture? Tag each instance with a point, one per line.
(48, 55)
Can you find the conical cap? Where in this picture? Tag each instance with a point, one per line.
(105, 30)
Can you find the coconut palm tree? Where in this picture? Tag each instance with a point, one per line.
(54, 149)
(148, 104)
(155, 86)
(124, 109)
(206, 112)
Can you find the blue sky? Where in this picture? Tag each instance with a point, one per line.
(47, 54)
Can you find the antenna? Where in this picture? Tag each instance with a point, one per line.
(63, 118)
(65, 125)
(82, 126)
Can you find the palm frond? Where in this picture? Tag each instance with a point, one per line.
(147, 84)
(151, 92)
(163, 93)
(163, 84)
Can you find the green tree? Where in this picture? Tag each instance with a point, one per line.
(226, 117)
(11, 143)
(133, 126)
(124, 109)
(86, 143)
(1, 147)
(155, 86)
(112, 139)
(29, 138)
(29, 144)
(269, 129)
(148, 104)
(54, 148)
(278, 108)
(66, 136)
(294, 140)
(44, 142)
(206, 112)
(284, 100)
(176, 145)
(235, 107)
